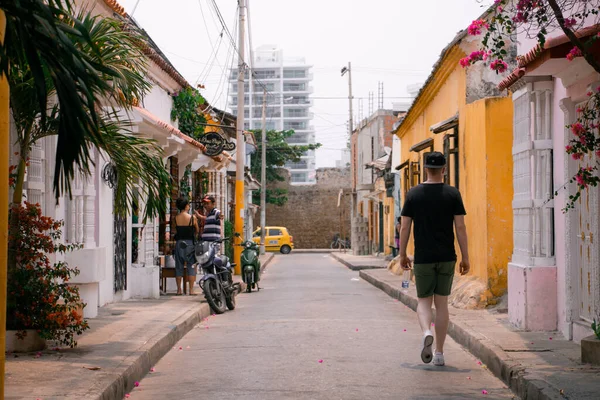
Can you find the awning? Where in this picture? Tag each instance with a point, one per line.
(422, 145)
(445, 125)
(379, 164)
(403, 165)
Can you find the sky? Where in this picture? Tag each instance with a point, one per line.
(395, 42)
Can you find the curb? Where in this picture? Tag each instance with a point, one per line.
(355, 267)
(524, 384)
(156, 348)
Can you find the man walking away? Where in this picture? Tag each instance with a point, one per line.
(435, 208)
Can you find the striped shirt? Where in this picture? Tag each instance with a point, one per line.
(212, 226)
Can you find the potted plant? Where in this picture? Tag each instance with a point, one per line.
(41, 303)
(590, 346)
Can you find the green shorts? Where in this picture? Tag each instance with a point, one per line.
(434, 278)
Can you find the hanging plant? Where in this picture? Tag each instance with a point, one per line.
(185, 110)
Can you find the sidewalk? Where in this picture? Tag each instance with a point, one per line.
(124, 342)
(357, 263)
(535, 365)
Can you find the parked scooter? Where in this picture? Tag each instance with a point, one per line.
(250, 265)
(217, 280)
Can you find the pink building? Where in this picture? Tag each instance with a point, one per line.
(554, 274)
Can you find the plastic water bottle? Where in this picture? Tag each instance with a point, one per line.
(405, 280)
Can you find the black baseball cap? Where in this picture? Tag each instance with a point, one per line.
(435, 159)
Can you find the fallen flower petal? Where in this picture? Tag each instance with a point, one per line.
(479, 362)
(356, 329)
(550, 339)
(180, 348)
(484, 391)
(320, 361)
(187, 347)
(127, 396)
(136, 384)
(468, 377)
(152, 369)
(405, 330)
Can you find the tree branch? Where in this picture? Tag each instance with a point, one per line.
(572, 37)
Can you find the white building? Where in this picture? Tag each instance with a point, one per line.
(287, 81)
(119, 258)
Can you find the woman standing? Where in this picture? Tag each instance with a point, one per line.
(187, 229)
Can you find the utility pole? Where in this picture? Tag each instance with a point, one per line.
(240, 160)
(263, 175)
(353, 168)
(4, 161)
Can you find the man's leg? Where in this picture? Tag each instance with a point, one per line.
(424, 313)
(442, 317)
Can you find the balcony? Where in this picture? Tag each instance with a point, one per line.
(302, 138)
(297, 114)
(297, 88)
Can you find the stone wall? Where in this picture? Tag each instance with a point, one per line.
(311, 214)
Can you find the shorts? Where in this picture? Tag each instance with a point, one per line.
(434, 278)
(185, 254)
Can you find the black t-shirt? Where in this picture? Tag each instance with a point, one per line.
(432, 208)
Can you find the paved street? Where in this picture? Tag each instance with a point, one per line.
(312, 308)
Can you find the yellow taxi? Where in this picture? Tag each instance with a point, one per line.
(277, 238)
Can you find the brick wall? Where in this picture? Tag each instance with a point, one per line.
(311, 213)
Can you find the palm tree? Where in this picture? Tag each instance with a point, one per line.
(137, 160)
(58, 58)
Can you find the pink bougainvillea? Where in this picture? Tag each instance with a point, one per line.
(574, 53)
(476, 26)
(499, 66)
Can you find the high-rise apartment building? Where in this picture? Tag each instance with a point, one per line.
(288, 83)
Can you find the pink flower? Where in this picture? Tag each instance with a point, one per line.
(497, 1)
(152, 369)
(356, 329)
(577, 128)
(589, 93)
(479, 362)
(468, 377)
(320, 361)
(136, 384)
(405, 330)
(574, 53)
(499, 66)
(476, 26)
(576, 156)
(549, 338)
(597, 153)
(500, 9)
(570, 22)
(127, 396)
(579, 110)
(484, 391)
(569, 148)
(464, 62)
(581, 182)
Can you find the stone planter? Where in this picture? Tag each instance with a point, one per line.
(31, 342)
(590, 350)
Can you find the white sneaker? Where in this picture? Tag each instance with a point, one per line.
(438, 359)
(426, 353)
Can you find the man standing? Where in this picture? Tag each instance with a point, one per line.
(435, 208)
(212, 220)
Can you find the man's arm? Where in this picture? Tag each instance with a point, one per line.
(404, 234)
(461, 235)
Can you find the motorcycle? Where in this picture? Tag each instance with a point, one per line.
(250, 265)
(217, 279)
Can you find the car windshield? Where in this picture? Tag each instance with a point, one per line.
(257, 233)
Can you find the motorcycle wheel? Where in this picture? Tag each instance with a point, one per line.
(214, 296)
(248, 282)
(230, 300)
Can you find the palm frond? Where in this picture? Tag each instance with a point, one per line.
(138, 162)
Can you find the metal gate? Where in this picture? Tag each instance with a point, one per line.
(120, 250)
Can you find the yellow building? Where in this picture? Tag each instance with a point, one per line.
(461, 113)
